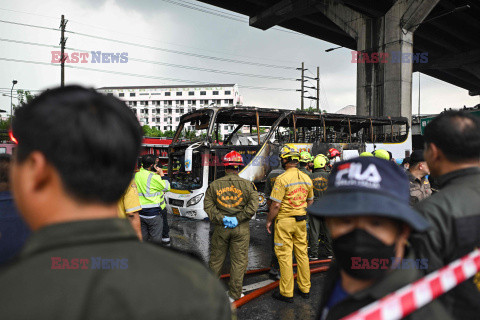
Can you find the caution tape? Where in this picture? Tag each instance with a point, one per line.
(404, 301)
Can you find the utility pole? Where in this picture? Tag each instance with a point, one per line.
(63, 41)
(318, 89)
(302, 85)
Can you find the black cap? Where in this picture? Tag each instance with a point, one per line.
(416, 157)
(368, 186)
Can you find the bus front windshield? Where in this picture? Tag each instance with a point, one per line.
(182, 179)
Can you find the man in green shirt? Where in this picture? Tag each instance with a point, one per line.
(82, 261)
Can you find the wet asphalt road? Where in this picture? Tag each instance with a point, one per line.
(193, 235)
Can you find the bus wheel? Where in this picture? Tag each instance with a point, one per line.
(262, 202)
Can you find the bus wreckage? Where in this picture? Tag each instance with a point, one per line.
(258, 135)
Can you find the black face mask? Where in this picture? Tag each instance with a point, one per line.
(362, 255)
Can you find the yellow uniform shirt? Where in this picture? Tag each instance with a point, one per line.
(129, 202)
(292, 189)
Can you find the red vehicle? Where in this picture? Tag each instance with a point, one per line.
(157, 147)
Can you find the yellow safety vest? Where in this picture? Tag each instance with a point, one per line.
(151, 188)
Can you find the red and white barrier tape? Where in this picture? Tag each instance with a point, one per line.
(414, 296)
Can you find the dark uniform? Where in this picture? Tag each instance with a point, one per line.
(318, 229)
(231, 196)
(99, 270)
(419, 189)
(455, 215)
(271, 177)
(304, 170)
(393, 281)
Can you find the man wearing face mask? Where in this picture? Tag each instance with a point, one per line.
(367, 211)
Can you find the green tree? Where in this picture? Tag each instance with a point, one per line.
(311, 109)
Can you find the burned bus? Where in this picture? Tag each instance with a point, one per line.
(257, 134)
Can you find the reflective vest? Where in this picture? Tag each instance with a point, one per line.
(151, 188)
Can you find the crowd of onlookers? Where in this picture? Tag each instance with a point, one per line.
(70, 256)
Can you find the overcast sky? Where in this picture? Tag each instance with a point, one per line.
(165, 25)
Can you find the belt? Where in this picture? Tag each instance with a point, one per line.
(300, 218)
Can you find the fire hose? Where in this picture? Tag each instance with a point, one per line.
(255, 294)
(227, 275)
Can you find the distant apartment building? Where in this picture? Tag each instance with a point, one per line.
(161, 107)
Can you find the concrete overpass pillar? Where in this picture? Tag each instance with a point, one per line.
(383, 88)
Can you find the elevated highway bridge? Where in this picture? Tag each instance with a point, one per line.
(447, 30)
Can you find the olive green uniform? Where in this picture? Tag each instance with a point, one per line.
(391, 282)
(231, 196)
(318, 230)
(271, 177)
(419, 189)
(455, 215)
(97, 269)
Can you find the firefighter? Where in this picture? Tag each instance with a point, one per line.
(230, 203)
(317, 228)
(292, 193)
(274, 272)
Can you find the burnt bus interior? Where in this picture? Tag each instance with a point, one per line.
(273, 126)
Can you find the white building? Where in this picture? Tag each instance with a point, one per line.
(161, 107)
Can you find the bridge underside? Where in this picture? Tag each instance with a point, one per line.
(452, 40)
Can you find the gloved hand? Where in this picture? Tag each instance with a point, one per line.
(230, 222)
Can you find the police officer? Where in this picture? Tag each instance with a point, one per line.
(271, 177)
(369, 218)
(317, 228)
(151, 188)
(230, 203)
(417, 171)
(304, 162)
(452, 152)
(292, 193)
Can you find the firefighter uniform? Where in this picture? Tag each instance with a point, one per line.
(318, 229)
(231, 196)
(292, 190)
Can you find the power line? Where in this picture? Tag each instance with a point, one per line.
(241, 74)
(190, 54)
(137, 36)
(138, 75)
(222, 14)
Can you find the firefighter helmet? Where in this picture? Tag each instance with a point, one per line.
(382, 154)
(333, 153)
(320, 161)
(305, 157)
(289, 152)
(233, 158)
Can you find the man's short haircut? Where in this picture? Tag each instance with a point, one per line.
(147, 161)
(456, 133)
(4, 168)
(91, 139)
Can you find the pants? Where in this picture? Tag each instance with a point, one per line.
(274, 261)
(291, 235)
(236, 241)
(318, 230)
(152, 228)
(325, 239)
(166, 228)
